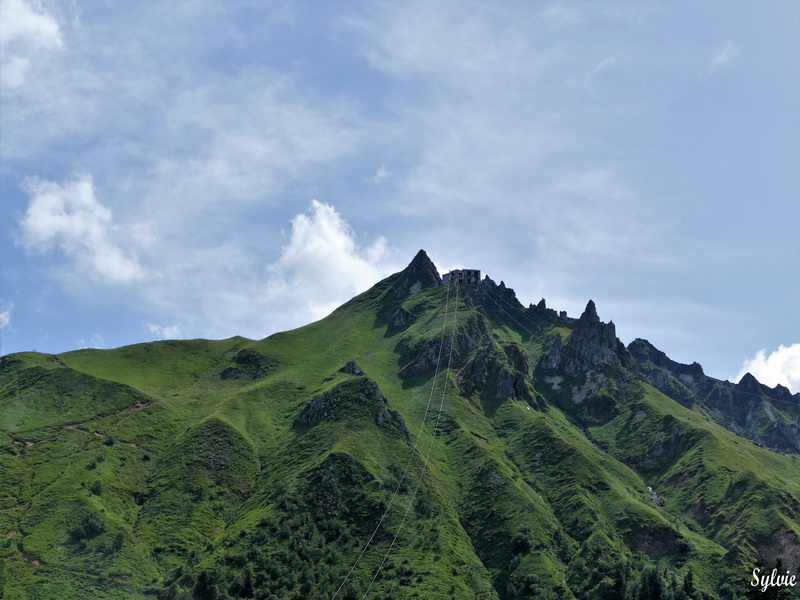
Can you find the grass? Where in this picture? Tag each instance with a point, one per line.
(174, 468)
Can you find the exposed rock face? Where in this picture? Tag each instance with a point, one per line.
(482, 365)
(500, 297)
(401, 319)
(751, 385)
(643, 352)
(593, 366)
(473, 376)
(351, 397)
(470, 336)
(768, 416)
(352, 368)
(420, 274)
(592, 345)
(510, 383)
(552, 359)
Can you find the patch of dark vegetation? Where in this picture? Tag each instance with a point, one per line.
(89, 528)
(347, 399)
(249, 364)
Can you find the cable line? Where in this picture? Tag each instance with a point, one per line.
(430, 449)
(717, 386)
(413, 450)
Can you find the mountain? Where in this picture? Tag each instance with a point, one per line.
(425, 440)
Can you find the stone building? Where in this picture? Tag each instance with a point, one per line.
(463, 276)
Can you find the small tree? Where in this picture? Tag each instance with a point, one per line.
(119, 541)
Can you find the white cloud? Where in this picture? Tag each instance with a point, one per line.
(464, 45)
(69, 217)
(381, 174)
(780, 366)
(25, 32)
(249, 137)
(322, 266)
(722, 57)
(169, 332)
(19, 21)
(96, 341)
(5, 315)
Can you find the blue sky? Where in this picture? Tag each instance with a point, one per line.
(207, 169)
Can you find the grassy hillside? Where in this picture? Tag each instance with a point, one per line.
(261, 469)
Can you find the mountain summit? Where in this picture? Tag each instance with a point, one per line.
(427, 439)
(420, 274)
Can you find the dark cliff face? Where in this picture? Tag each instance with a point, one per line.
(593, 345)
(768, 416)
(588, 374)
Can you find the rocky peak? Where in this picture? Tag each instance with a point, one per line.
(590, 313)
(422, 267)
(592, 344)
(592, 330)
(782, 393)
(420, 274)
(748, 383)
(352, 368)
(643, 351)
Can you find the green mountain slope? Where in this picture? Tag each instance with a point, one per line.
(483, 449)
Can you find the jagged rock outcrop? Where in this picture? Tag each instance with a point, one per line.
(471, 335)
(350, 397)
(689, 376)
(768, 416)
(592, 345)
(501, 298)
(352, 368)
(510, 383)
(473, 376)
(589, 373)
(420, 274)
(552, 359)
(750, 385)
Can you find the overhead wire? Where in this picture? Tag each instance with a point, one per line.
(427, 456)
(496, 297)
(413, 450)
(520, 311)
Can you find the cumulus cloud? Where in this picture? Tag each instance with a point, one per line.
(323, 265)
(722, 57)
(69, 217)
(25, 32)
(162, 332)
(780, 366)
